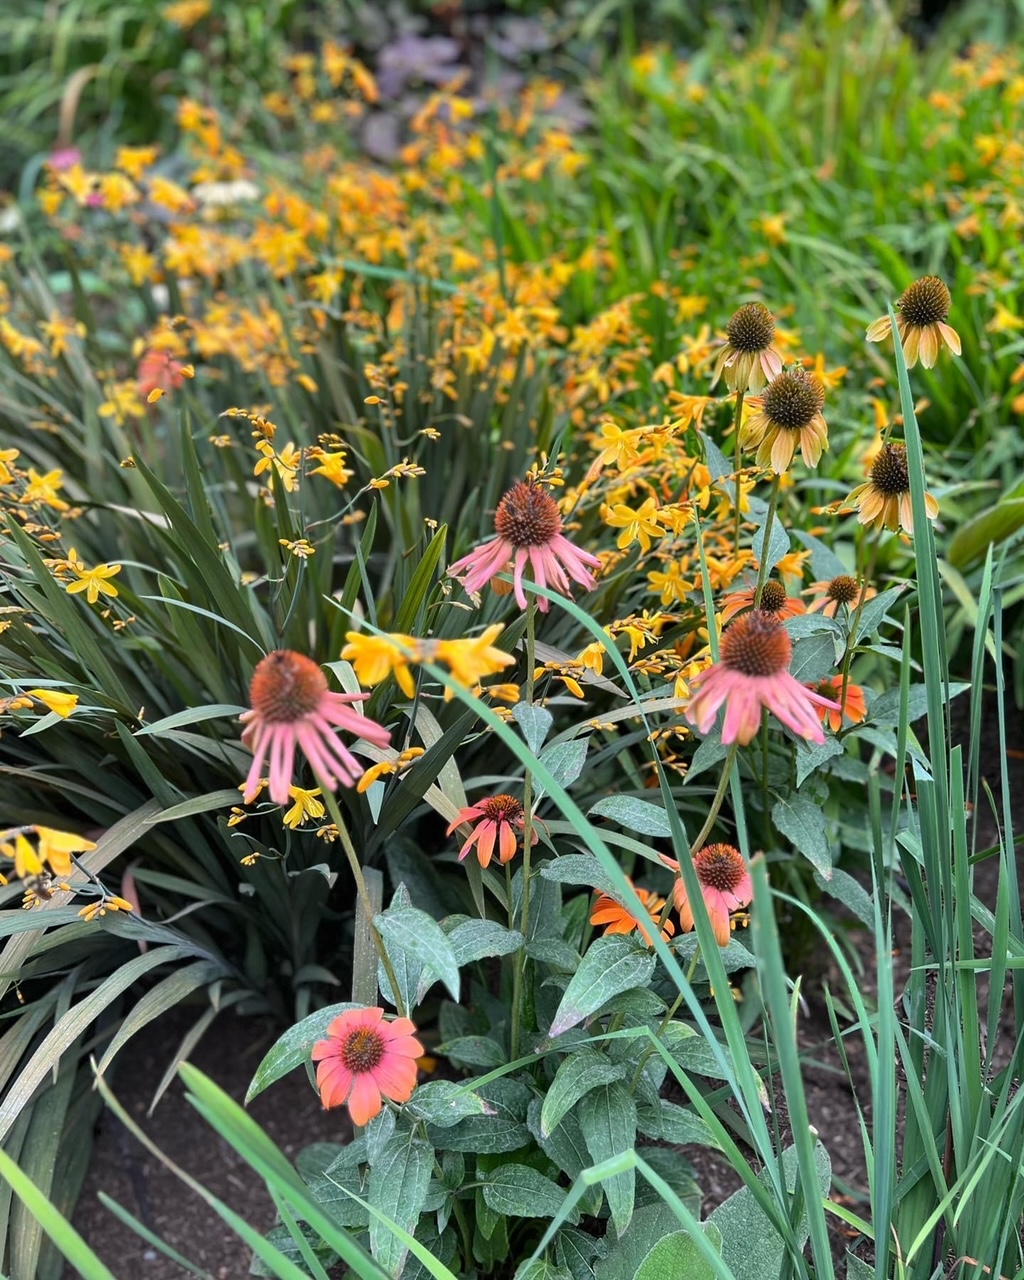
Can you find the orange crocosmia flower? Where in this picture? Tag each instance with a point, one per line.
(159, 371)
(854, 708)
(364, 1060)
(617, 919)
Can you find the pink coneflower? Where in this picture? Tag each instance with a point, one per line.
(496, 818)
(774, 601)
(753, 672)
(292, 707)
(159, 371)
(529, 528)
(725, 886)
(841, 590)
(365, 1059)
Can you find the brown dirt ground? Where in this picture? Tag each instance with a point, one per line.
(291, 1114)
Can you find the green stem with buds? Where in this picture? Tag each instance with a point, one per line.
(518, 972)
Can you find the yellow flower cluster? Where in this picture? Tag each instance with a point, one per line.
(375, 658)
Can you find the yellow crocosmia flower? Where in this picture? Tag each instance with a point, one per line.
(374, 658)
(637, 526)
(503, 692)
(306, 806)
(62, 703)
(332, 467)
(671, 584)
(43, 489)
(6, 456)
(94, 582)
(114, 903)
(56, 848)
(26, 861)
(375, 773)
(592, 657)
(472, 659)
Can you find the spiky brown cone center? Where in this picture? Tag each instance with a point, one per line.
(889, 472)
(502, 809)
(720, 866)
(844, 589)
(286, 686)
(773, 597)
(751, 328)
(925, 302)
(793, 398)
(362, 1050)
(527, 516)
(756, 645)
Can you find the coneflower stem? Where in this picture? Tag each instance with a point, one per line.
(851, 642)
(524, 919)
(361, 889)
(709, 821)
(737, 463)
(769, 520)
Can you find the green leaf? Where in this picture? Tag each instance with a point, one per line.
(804, 826)
(474, 1051)
(505, 1130)
(608, 1119)
(167, 993)
(294, 1048)
(198, 804)
(638, 816)
(673, 1123)
(85, 1263)
(810, 756)
(852, 895)
(535, 722)
(418, 935)
(874, 611)
(481, 939)
(564, 761)
(578, 1073)
(579, 868)
(676, 1255)
(517, 1191)
(191, 715)
(611, 964)
(995, 524)
(398, 1189)
(751, 1247)
(443, 1103)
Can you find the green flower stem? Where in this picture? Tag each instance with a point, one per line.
(737, 463)
(851, 642)
(709, 821)
(762, 572)
(518, 972)
(670, 1013)
(361, 889)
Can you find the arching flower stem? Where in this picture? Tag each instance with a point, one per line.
(364, 893)
(737, 422)
(518, 972)
(851, 640)
(709, 821)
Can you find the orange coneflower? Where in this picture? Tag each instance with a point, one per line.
(842, 590)
(921, 322)
(774, 601)
(884, 500)
(618, 919)
(787, 415)
(725, 886)
(854, 708)
(498, 818)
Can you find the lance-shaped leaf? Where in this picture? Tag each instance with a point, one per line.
(611, 965)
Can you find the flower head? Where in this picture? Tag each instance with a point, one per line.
(884, 500)
(836, 593)
(788, 414)
(725, 885)
(94, 582)
(774, 601)
(498, 818)
(853, 706)
(292, 707)
(529, 529)
(748, 358)
(472, 658)
(619, 919)
(364, 1060)
(921, 322)
(753, 672)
